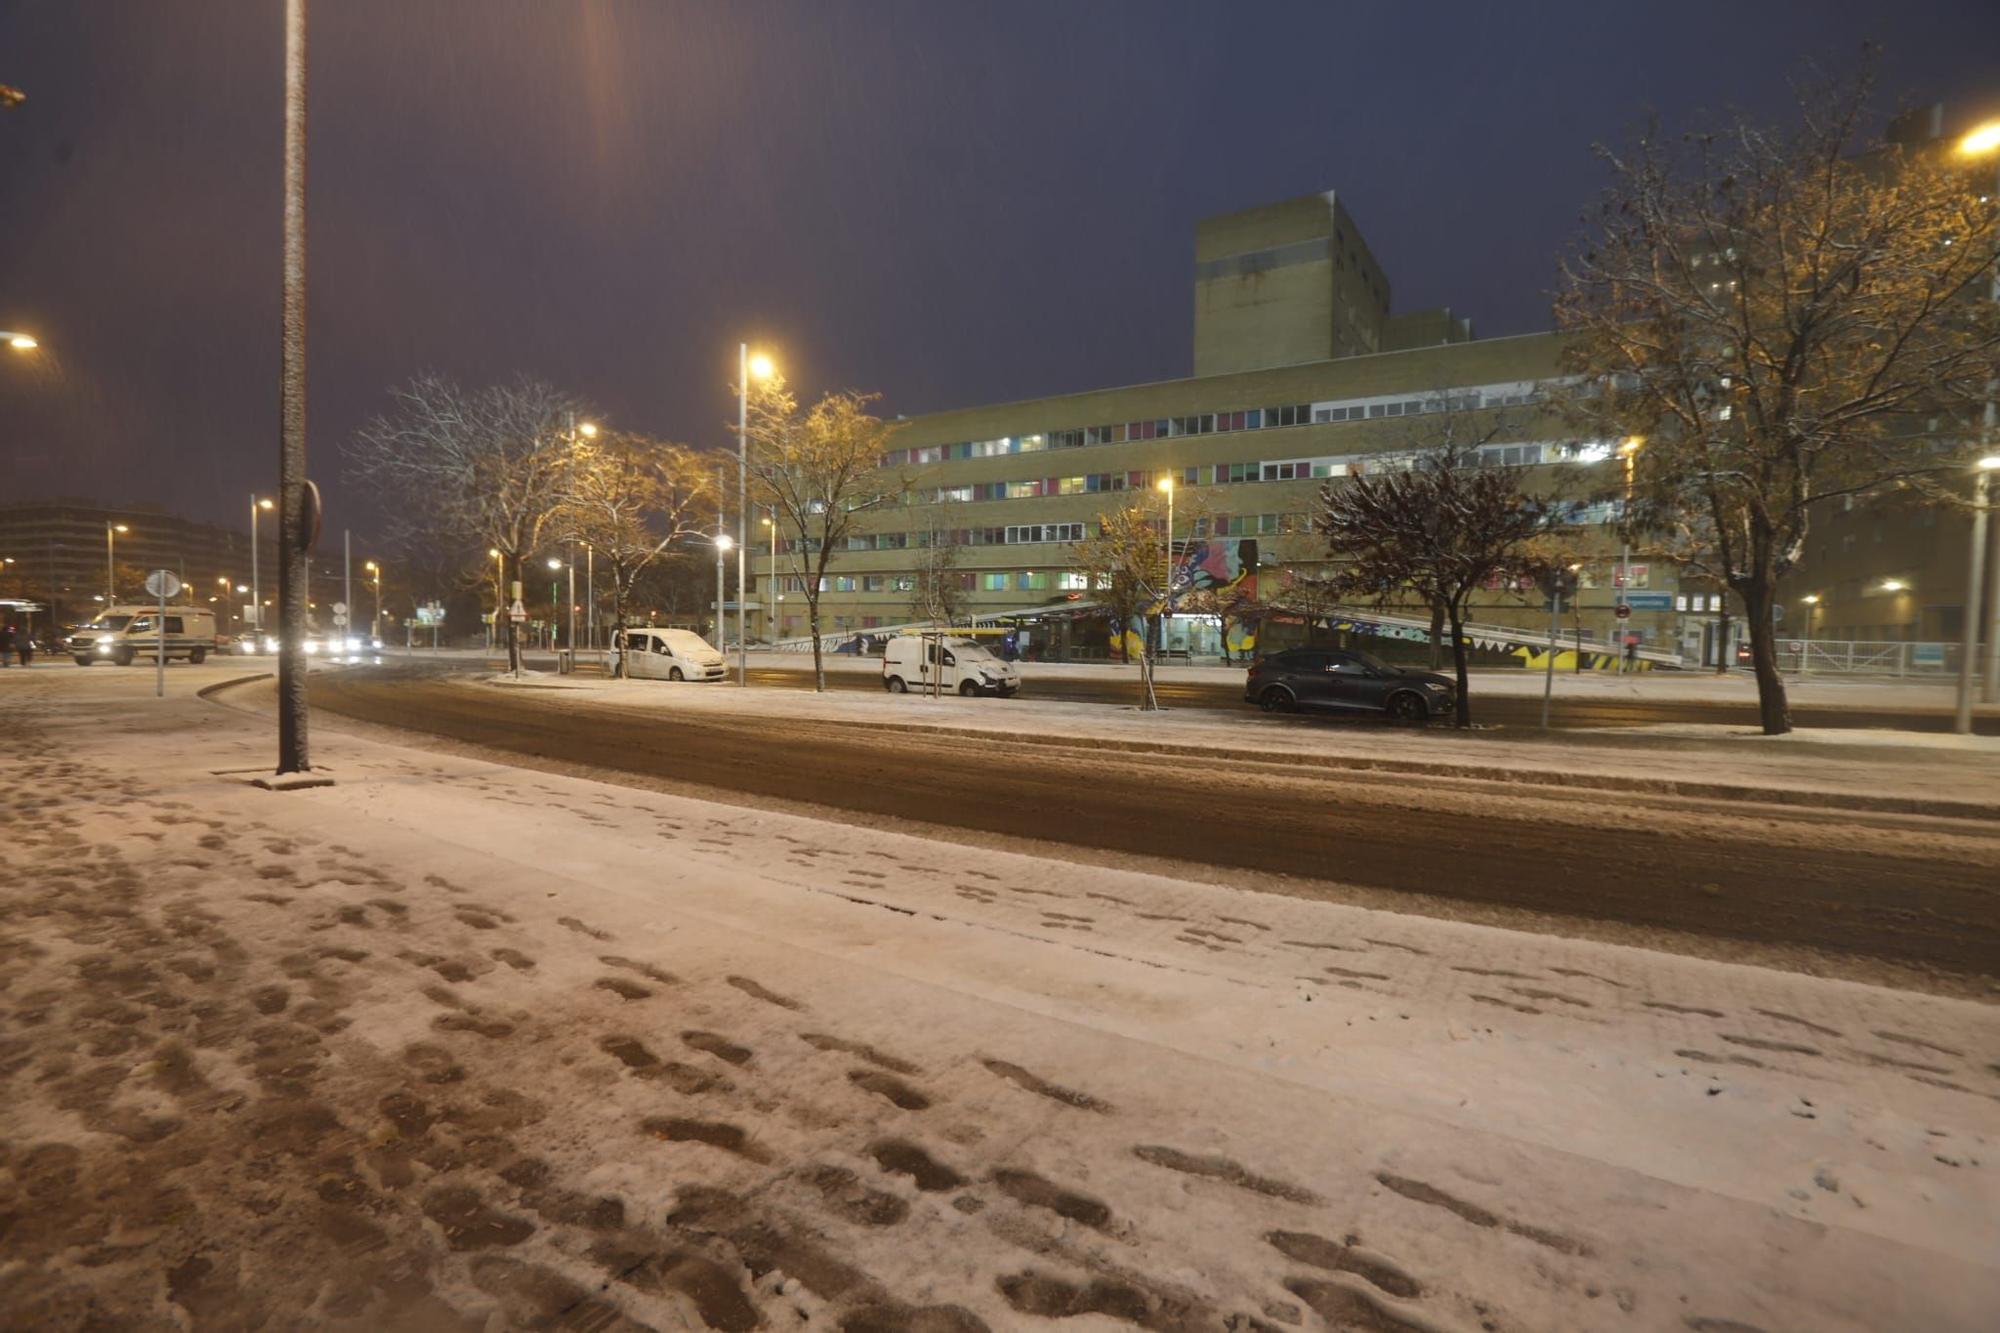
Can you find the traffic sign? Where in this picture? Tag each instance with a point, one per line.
(1624, 611)
(340, 608)
(339, 619)
(163, 583)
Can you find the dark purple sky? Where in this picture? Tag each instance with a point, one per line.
(951, 203)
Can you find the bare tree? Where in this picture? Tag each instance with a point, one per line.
(1440, 531)
(820, 470)
(938, 592)
(486, 468)
(1126, 562)
(632, 499)
(1775, 314)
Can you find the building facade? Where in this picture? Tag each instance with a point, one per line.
(70, 555)
(1303, 376)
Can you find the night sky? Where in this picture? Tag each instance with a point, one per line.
(951, 203)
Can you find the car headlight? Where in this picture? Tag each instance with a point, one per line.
(103, 647)
(312, 647)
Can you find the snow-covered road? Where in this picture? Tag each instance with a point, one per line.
(450, 1044)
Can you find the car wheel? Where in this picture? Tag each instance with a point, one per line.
(197, 657)
(967, 689)
(83, 661)
(895, 685)
(1409, 708)
(675, 674)
(123, 657)
(1277, 699)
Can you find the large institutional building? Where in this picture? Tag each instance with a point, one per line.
(1302, 373)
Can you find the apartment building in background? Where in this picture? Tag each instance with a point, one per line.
(68, 554)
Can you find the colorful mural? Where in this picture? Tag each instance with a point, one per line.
(1533, 655)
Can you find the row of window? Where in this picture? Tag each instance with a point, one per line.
(1223, 474)
(1208, 423)
(1019, 580)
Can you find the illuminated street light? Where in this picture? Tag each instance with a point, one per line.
(588, 430)
(1894, 585)
(1980, 140)
(20, 342)
(1983, 141)
(748, 367)
(1976, 573)
(110, 575)
(1165, 485)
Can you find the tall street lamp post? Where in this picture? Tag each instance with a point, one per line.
(499, 595)
(1166, 485)
(375, 621)
(256, 596)
(723, 543)
(298, 516)
(1811, 600)
(555, 567)
(1984, 142)
(1628, 452)
(1975, 575)
(111, 531)
(746, 366)
(771, 582)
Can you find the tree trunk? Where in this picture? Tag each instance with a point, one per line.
(513, 626)
(1773, 708)
(812, 620)
(1148, 700)
(1462, 705)
(1437, 637)
(1722, 653)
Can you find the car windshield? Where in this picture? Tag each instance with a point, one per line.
(109, 622)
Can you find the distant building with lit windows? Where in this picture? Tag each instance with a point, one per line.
(1302, 375)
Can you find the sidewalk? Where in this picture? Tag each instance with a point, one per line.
(450, 1040)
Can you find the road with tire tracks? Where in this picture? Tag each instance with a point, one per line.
(1911, 889)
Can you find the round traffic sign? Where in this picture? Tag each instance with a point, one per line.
(1624, 611)
(163, 583)
(340, 608)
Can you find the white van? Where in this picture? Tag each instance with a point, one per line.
(670, 654)
(956, 666)
(122, 633)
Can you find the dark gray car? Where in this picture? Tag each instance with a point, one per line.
(1346, 680)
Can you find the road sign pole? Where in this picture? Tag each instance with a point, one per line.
(1549, 672)
(160, 642)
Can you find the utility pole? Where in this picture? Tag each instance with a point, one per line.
(294, 523)
(346, 586)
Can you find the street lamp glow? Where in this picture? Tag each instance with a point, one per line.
(1165, 485)
(1810, 599)
(119, 527)
(266, 505)
(725, 542)
(1989, 463)
(1631, 444)
(554, 563)
(493, 551)
(1894, 585)
(762, 367)
(587, 429)
(21, 342)
(371, 566)
(1980, 140)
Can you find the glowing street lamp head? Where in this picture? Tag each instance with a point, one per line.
(1894, 585)
(265, 504)
(1165, 485)
(21, 342)
(1810, 599)
(493, 551)
(1980, 140)
(119, 527)
(762, 367)
(587, 429)
(725, 542)
(1630, 445)
(554, 563)
(1989, 463)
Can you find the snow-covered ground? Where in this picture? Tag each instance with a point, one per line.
(455, 1045)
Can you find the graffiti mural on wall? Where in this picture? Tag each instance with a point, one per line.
(1534, 655)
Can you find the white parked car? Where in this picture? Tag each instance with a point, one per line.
(955, 666)
(670, 654)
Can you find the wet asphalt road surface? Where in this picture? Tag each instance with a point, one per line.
(1902, 888)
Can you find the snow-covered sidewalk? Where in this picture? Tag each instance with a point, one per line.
(448, 1041)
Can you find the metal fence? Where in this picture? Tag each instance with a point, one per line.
(1858, 657)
